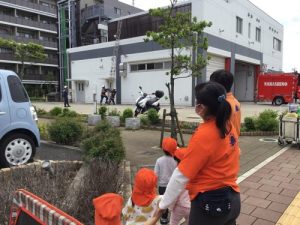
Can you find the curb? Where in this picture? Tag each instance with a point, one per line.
(53, 144)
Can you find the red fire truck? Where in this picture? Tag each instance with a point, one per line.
(278, 88)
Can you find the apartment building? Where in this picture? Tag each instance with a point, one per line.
(31, 21)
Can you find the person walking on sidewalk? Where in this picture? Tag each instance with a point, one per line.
(164, 167)
(103, 95)
(210, 167)
(66, 97)
(225, 78)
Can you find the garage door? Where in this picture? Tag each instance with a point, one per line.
(215, 63)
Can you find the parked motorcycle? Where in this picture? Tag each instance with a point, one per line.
(147, 101)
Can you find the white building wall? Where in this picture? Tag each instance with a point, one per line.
(95, 72)
(153, 80)
(223, 13)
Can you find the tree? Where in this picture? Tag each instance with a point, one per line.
(182, 34)
(29, 52)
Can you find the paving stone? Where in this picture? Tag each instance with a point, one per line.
(278, 207)
(262, 222)
(296, 182)
(257, 193)
(271, 189)
(282, 179)
(244, 219)
(253, 178)
(243, 197)
(280, 198)
(266, 214)
(289, 192)
(250, 184)
(280, 173)
(247, 209)
(264, 203)
(290, 186)
(290, 165)
(270, 182)
(289, 170)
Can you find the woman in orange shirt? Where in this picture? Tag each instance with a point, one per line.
(210, 166)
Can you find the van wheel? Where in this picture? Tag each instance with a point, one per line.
(278, 101)
(16, 149)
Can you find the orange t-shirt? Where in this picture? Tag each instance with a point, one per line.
(210, 161)
(235, 111)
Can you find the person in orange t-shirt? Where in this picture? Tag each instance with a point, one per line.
(225, 78)
(210, 166)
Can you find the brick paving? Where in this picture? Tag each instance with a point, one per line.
(267, 193)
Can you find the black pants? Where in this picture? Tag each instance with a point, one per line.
(198, 216)
(66, 102)
(102, 97)
(161, 191)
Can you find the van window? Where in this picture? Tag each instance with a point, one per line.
(17, 91)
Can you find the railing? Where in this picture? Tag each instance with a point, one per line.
(30, 23)
(91, 12)
(45, 77)
(49, 44)
(31, 5)
(11, 56)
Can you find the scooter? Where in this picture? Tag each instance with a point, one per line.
(147, 101)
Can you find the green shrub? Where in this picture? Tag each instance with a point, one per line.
(113, 112)
(55, 111)
(40, 111)
(144, 120)
(43, 131)
(267, 121)
(153, 116)
(69, 113)
(127, 113)
(65, 130)
(249, 124)
(186, 125)
(105, 143)
(102, 111)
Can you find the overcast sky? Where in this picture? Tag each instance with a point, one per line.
(285, 12)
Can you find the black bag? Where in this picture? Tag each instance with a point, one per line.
(216, 202)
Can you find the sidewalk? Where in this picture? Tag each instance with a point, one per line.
(269, 191)
(185, 113)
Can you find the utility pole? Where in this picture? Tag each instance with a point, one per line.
(132, 2)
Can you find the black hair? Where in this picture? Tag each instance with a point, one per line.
(212, 95)
(167, 153)
(223, 77)
(176, 159)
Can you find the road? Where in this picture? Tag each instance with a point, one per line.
(141, 148)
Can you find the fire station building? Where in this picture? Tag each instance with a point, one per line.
(242, 39)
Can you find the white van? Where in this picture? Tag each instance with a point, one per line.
(19, 133)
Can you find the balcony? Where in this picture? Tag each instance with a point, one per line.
(12, 57)
(31, 5)
(92, 12)
(29, 23)
(49, 77)
(48, 44)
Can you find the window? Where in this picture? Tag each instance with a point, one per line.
(17, 91)
(276, 44)
(258, 34)
(249, 30)
(148, 66)
(167, 65)
(117, 11)
(142, 67)
(239, 25)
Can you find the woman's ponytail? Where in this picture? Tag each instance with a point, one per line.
(223, 117)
